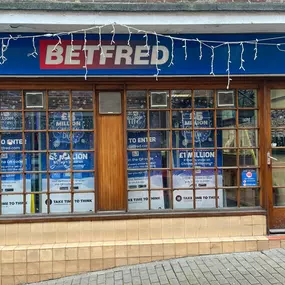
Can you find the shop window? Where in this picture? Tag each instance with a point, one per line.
(47, 151)
(192, 149)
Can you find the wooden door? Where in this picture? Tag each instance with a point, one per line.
(275, 176)
(110, 159)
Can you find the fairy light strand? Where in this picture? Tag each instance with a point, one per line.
(85, 56)
(113, 34)
(34, 53)
(185, 49)
(212, 60)
(241, 57)
(255, 49)
(172, 52)
(228, 66)
(156, 61)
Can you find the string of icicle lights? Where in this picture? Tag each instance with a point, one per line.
(210, 44)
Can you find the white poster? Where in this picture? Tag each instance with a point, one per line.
(138, 200)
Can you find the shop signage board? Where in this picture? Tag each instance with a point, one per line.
(121, 59)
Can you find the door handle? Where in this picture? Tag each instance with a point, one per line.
(269, 158)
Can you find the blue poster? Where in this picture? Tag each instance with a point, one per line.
(249, 177)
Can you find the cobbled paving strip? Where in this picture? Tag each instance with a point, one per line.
(266, 268)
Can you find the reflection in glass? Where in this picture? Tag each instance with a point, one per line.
(82, 120)
(279, 196)
(159, 159)
(83, 202)
(36, 182)
(247, 98)
(249, 197)
(277, 118)
(36, 161)
(83, 181)
(229, 157)
(278, 176)
(138, 159)
(11, 141)
(159, 139)
(59, 140)
(229, 177)
(182, 139)
(226, 138)
(279, 154)
(203, 98)
(11, 162)
(35, 120)
(248, 157)
(83, 140)
(160, 200)
(183, 199)
(137, 180)
(159, 119)
(82, 100)
(138, 140)
(10, 121)
(136, 120)
(248, 138)
(58, 99)
(226, 118)
(160, 179)
(138, 200)
(36, 204)
(277, 98)
(159, 99)
(136, 99)
(35, 141)
(181, 119)
(10, 100)
(247, 118)
(277, 138)
(181, 99)
(230, 197)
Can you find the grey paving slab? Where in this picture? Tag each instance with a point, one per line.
(265, 268)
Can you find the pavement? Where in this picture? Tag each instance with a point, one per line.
(266, 268)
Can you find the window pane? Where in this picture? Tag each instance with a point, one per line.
(230, 197)
(35, 120)
(10, 100)
(136, 120)
(83, 181)
(279, 196)
(183, 199)
(160, 200)
(136, 99)
(229, 177)
(59, 161)
(206, 199)
(137, 180)
(59, 182)
(10, 121)
(138, 200)
(226, 138)
(226, 98)
(279, 154)
(182, 178)
(277, 98)
(159, 159)
(159, 119)
(204, 158)
(249, 177)
(59, 140)
(278, 176)
(248, 157)
(36, 161)
(247, 98)
(247, 118)
(181, 119)
(159, 139)
(181, 98)
(83, 202)
(159, 99)
(182, 158)
(227, 157)
(277, 138)
(137, 159)
(83, 161)
(138, 140)
(36, 204)
(226, 118)
(160, 179)
(248, 138)
(277, 118)
(203, 119)
(36, 182)
(58, 100)
(36, 141)
(249, 197)
(11, 183)
(83, 140)
(182, 139)
(12, 204)
(204, 98)
(82, 100)
(60, 203)
(82, 120)
(59, 121)
(11, 142)
(11, 162)
(204, 139)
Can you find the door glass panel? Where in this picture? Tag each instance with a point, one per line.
(247, 118)
(203, 98)
(277, 138)
(181, 99)
(279, 196)
(277, 98)
(247, 98)
(277, 118)
(226, 118)
(278, 176)
(279, 154)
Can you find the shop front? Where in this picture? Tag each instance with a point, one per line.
(131, 148)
